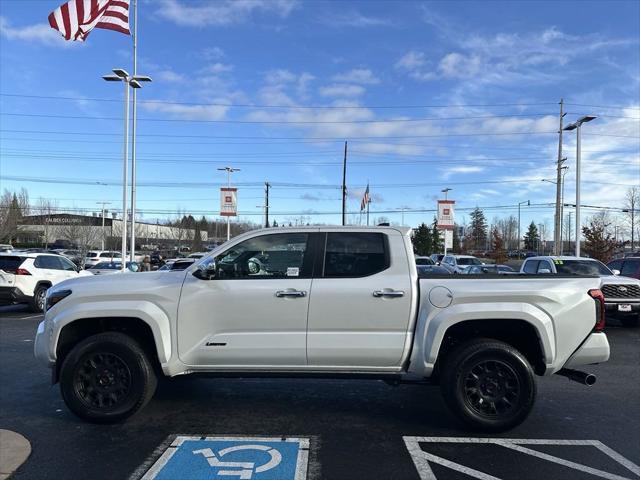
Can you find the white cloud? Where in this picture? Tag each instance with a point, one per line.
(357, 75)
(188, 112)
(353, 19)
(169, 76)
(221, 12)
(212, 53)
(38, 33)
(460, 66)
(461, 170)
(217, 68)
(416, 65)
(342, 90)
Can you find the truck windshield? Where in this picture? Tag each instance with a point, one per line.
(581, 267)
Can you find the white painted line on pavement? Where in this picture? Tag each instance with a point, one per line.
(421, 458)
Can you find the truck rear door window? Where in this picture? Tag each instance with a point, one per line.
(355, 254)
(531, 266)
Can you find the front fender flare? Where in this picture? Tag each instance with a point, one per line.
(146, 311)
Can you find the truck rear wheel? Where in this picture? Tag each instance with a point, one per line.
(107, 378)
(488, 384)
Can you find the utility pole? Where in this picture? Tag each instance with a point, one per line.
(344, 186)
(557, 232)
(267, 186)
(569, 233)
(103, 210)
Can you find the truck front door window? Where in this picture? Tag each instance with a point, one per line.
(267, 256)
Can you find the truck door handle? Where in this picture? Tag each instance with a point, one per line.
(291, 293)
(388, 293)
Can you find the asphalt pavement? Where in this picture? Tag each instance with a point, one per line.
(355, 429)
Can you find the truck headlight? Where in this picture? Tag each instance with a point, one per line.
(54, 297)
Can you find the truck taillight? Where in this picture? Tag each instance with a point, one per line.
(597, 295)
(22, 271)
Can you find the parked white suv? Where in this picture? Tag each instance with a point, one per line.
(96, 256)
(459, 263)
(26, 277)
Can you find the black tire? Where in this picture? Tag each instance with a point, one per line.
(107, 378)
(488, 384)
(631, 321)
(36, 305)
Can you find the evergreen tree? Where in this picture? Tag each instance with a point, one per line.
(531, 238)
(274, 224)
(437, 237)
(422, 240)
(477, 234)
(196, 244)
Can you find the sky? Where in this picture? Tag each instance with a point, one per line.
(428, 95)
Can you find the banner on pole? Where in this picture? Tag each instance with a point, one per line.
(228, 202)
(448, 239)
(445, 214)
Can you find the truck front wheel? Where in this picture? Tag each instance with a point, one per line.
(107, 378)
(488, 384)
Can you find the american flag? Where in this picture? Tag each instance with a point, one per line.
(75, 19)
(365, 199)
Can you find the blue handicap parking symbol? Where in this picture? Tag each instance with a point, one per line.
(241, 458)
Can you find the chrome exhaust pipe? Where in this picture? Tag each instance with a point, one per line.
(580, 377)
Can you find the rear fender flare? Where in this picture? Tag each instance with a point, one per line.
(437, 326)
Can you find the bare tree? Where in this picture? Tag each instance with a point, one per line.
(631, 208)
(45, 208)
(79, 232)
(10, 215)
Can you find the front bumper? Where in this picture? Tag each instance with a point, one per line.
(41, 345)
(612, 306)
(12, 295)
(595, 349)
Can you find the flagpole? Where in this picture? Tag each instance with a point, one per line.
(133, 133)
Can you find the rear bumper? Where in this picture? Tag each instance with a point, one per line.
(12, 295)
(595, 349)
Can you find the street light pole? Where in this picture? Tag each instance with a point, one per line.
(576, 126)
(121, 75)
(103, 204)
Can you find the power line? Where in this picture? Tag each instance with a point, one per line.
(275, 122)
(293, 107)
(275, 184)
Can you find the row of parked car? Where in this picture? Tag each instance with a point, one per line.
(620, 277)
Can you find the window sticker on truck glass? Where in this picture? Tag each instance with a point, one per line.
(558, 262)
(293, 271)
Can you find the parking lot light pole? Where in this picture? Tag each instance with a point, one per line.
(576, 126)
(121, 75)
(528, 203)
(103, 210)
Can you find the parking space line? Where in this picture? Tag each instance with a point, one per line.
(560, 461)
(422, 458)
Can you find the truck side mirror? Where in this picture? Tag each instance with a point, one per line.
(206, 271)
(544, 270)
(616, 272)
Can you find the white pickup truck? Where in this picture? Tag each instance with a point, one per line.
(341, 302)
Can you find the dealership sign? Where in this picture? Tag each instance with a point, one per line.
(228, 202)
(445, 214)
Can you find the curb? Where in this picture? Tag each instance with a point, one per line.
(14, 450)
